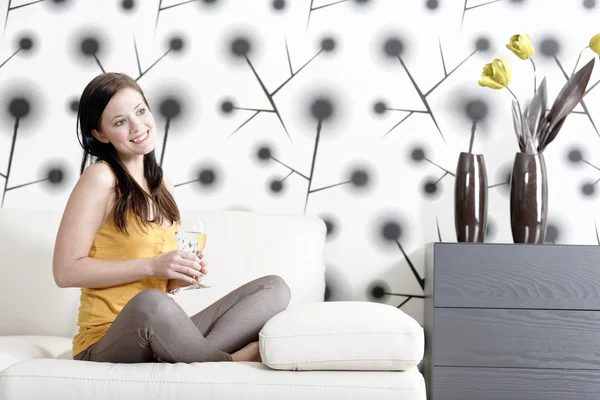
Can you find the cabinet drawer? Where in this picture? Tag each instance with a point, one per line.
(515, 276)
(516, 338)
(452, 383)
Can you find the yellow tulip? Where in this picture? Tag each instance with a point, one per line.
(496, 75)
(521, 46)
(595, 43)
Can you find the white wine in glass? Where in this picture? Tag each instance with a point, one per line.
(192, 238)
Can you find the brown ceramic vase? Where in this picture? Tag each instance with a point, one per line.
(470, 198)
(529, 198)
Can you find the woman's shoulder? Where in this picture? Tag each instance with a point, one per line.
(100, 174)
(96, 184)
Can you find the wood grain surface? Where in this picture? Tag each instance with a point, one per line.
(515, 276)
(455, 383)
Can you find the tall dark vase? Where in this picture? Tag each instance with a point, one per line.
(470, 198)
(529, 198)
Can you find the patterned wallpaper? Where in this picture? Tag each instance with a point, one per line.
(351, 110)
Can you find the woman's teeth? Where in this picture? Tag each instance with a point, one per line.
(141, 138)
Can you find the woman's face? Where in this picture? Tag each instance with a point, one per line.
(127, 124)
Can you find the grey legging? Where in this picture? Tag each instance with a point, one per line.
(152, 323)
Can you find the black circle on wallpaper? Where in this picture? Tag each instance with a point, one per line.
(431, 187)
(328, 44)
(23, 100)
(73, 105)
(19, 107)
(359, 177)
(278, 4)
(55, 176)
(127, 5)
(227, 106)
(379, 107)
(207, 177)
(432, 4)
(482, 44)
(393, 47)
(319, 101)
(417, 154)
(377, 290)
(549, 46)
(589, 4)
(276, 186)
(175, 100)
(588, 188)
(240, 46)
(26, 43)
(391, 230)
(170, 108)
(264, 153)
(389, 227)
(176, 43)
(322, 108)
(58, 5)
(476, 109)
(90, 46)
(574, 155)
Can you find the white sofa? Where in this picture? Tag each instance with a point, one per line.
(313, 350)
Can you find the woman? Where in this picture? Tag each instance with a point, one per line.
(117, 242)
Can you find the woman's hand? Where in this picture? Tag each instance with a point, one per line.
(178, 265)
(178, 283)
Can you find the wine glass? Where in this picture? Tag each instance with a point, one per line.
(192, 238)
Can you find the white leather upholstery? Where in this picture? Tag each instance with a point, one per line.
(240, 246)
(75, 380)
(38, 319)
(351, 335)
(14, 349)
(30, 301)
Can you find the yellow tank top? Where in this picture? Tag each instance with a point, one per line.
(99, 307)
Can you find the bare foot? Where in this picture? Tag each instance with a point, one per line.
(250, 352)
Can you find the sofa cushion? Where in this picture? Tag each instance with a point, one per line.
(74, 380)
(350, 335)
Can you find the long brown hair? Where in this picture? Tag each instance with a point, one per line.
(130, 196)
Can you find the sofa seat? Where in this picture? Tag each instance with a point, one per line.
(69, 379)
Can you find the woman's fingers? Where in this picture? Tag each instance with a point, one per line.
(183, 277)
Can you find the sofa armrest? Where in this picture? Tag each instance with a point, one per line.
(14, 349)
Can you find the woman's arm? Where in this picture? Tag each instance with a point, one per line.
(84, 214)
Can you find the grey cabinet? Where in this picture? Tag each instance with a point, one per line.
(512, 321)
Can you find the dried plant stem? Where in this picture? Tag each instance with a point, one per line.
(520, 113)
(579, 58)
(473, 128)
(517, 100)
(534, 75)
